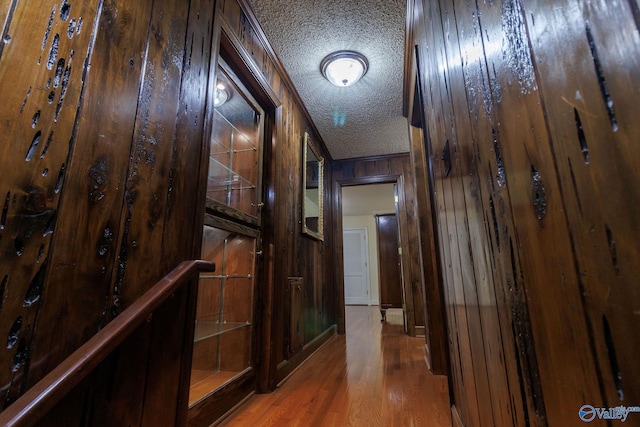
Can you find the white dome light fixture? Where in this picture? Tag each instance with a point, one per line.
(222, 95)
(344, 67)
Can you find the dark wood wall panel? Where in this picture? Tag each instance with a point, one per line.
(529, 135)
(297, 255)
(91, 200)
(99, 170)
(435, 321)
(105, 117)
(39, 113)
(593, 135)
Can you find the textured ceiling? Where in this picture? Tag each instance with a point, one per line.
(361, 120)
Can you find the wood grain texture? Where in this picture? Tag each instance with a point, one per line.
(97, 81)
(520, 92)
(117, 133)
(41, 72)
(375, 376)
(389, 265)
(435, 321)
(38, 400)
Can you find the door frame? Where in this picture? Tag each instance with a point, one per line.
(339, 244)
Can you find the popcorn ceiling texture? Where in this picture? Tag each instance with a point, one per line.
(361, 120)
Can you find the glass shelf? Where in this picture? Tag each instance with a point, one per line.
(222, 176)
(235, 148)
(206, 330)
(214, 276)
(245, 143)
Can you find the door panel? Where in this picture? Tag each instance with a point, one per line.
(389, 262)
(356, 267)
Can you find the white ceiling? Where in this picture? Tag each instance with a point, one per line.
(361, 120)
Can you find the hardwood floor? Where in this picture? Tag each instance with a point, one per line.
(374, 376)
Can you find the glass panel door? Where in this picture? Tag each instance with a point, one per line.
(224, 314)
(222, 349)
(234, 172)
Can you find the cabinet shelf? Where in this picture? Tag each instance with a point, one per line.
(206, 330)
(219, 276)
(220, 175)
(236, 132)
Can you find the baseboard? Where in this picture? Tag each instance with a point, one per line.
(287, 367)
(427, 357)
(455, 417)
(232, 410)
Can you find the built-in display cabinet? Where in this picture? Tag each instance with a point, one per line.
(224, 314)
(224, 332)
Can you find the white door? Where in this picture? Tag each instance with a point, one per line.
(356, 266)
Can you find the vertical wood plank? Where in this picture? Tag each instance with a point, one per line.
(95, 177)
(538, 217)
(589, 110)
(41, 71)
(531, 97)
(182, 234)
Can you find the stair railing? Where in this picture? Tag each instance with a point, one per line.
(36, 402)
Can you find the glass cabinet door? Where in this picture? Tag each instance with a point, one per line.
(224, 314)
(235, 147)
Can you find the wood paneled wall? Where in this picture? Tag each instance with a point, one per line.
(104, 121)
(289, 253)
(103, 105)
(530, 133)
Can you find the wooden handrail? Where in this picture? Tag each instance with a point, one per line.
(44, 395)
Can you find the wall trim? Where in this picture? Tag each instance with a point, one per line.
(287, 367)
(455, 417)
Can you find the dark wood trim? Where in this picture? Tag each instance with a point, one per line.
(373, 158)
(405, 265)
(381, 179)
(238, 56)
(338, 253)
(214, 221)
(273, 128)
(424, 178)
(455, 417)
(286, 367)
(199, 212)
(407, 87)
(267, 369)
(210, 409)
(42, 397)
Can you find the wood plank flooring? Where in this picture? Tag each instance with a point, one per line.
(374, 376)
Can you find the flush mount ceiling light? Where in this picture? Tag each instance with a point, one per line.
(344, 68)
(222, 95)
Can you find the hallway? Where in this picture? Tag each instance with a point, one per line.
(374, 376)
